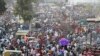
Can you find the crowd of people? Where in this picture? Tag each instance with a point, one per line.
(46, 42)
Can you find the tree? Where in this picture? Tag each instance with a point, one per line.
(24, 9)
(2, 7)
(35, 1)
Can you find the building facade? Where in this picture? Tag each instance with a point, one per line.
(83, 1)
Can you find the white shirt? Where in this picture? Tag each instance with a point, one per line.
(53, 48)
(71, 54)
(48, 37)
(56, 34)
(80, 54)
(65, 52)
(11, 36)
(57, 46)
(32, 51)
(18, 41)
(37, 54)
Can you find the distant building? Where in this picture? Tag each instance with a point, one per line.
(83, 1)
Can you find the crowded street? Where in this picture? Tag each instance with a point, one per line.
(49, 28)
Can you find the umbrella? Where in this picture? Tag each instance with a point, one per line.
(63, 42)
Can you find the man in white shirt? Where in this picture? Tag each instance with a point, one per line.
(65, 52)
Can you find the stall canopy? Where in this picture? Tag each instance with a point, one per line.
(22, 32)
(7, 52)
(93, 19)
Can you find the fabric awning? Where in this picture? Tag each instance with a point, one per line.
(22, 32)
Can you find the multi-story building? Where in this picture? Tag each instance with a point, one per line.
(83, 1)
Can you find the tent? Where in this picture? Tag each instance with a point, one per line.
(22, 32)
